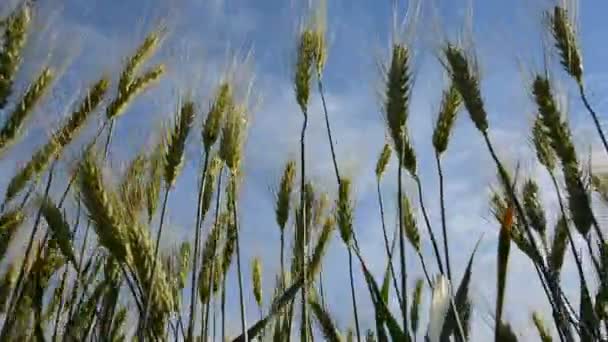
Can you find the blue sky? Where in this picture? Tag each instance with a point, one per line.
(88, 38)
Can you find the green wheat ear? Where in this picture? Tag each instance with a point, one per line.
(466, 80)
(59, 229)
(543, 332)
(176, 145)
(308, 44)
(397, 98)
(16, 119)
(450, 104)
(284, 195)
(9, 223)
(409, 224)
(344, 211)
(14, 38)
(213, 121)
(59, 140)
(383, 159)
(256, 279)
(533, 207)
(566, 44)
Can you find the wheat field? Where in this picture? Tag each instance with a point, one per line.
(149, 193)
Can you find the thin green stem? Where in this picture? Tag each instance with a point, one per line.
(428, 224)
(218, 199)
(443, 221)
(328, 127)
(352, 293)
(403, 303)
(16, 293)
(389, 254)
(144, 319)
(596, 121)
(303, 217)
(197, 242)
(238, 259)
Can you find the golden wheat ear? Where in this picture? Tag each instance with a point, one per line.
(62, 137)
(24, 107)
(14, 37)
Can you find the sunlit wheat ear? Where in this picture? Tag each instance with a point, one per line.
(383, 159)
(214, 170)
(440, 303)
(176, 145)
(542, 144)
(9, 222)
(541, 328)
(154, 178)
(256, 280)
(320, 248)
(325, 322)
(101, 209)
(558, 247)
(7, 282)
(16, 119)
(213, 122)
(229, 245)
(138, 85)
(309, 202)
(397, 97)
(304, 63)
(208, 253)
(561, 142)
(344, 211)
(14, 37)
(320, 206)
(233, 136)
(416, 303)
(450, 105)
(284, 194)
(132, 188)
(533, 207)
(59, 229)
(466, 80)
(59, 140)
(410, 225)
(565, 42)
(141, 55)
